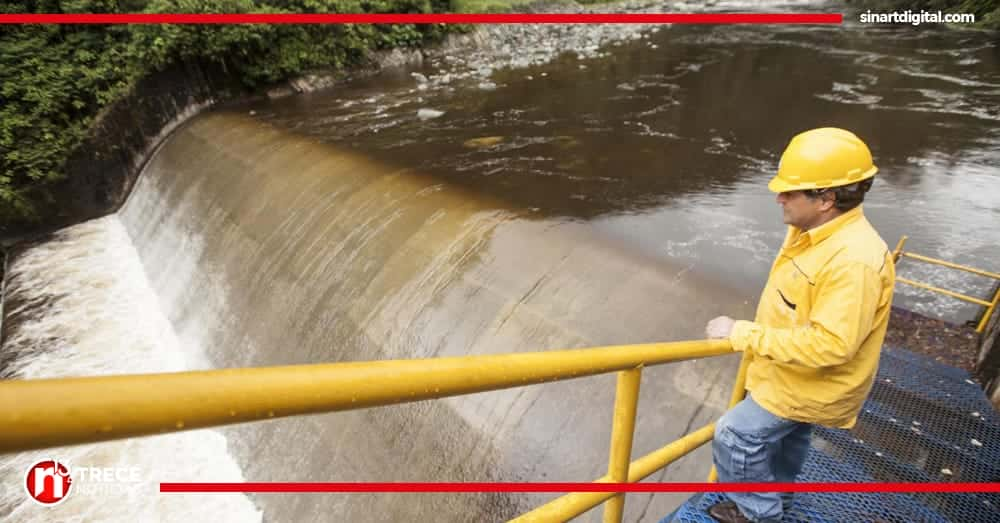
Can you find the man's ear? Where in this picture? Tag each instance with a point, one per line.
(829, 200)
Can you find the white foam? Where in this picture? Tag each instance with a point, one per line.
(104, 318)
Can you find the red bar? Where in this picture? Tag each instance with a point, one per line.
(580, 487)
(443, 18)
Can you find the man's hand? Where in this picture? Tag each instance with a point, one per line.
(719, 327)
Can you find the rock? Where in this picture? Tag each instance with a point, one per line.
(487, 86)
(427, 114)
(397, 57)
(421, 79)
(312, 82)
(280, 92)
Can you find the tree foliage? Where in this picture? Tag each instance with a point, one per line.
(54, 80)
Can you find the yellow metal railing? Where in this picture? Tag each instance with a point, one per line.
(622, 431)
(990, 305)
(65, 411)
(574, 504)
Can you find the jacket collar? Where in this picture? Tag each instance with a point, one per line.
(818, 234)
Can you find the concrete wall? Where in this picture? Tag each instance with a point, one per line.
(101, 172)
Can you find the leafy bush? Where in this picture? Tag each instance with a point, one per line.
(54, 80)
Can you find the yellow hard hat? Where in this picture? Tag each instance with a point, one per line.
(821, 158)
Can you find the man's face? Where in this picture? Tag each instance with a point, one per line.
(800, 210)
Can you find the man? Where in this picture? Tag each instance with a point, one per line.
(814, 345)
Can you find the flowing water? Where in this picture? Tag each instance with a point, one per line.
(607, 200)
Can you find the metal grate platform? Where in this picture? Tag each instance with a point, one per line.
(923, 422)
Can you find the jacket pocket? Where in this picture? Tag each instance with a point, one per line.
(784, 299)
(794, 292)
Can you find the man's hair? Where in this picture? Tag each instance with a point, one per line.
(847, 196)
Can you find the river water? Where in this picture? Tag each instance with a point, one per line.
(612, 196)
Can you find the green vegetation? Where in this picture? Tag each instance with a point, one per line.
(56, 79)
(489, 6)
(500, 6)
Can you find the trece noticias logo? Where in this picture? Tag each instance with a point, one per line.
(48, 482)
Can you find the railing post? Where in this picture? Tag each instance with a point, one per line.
(988, 312)
(899, 249)
(739, 392)
(567, 507)
(626, 401)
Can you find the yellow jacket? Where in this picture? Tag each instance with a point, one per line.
(820, 322)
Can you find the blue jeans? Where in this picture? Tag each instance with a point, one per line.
(753, 445)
